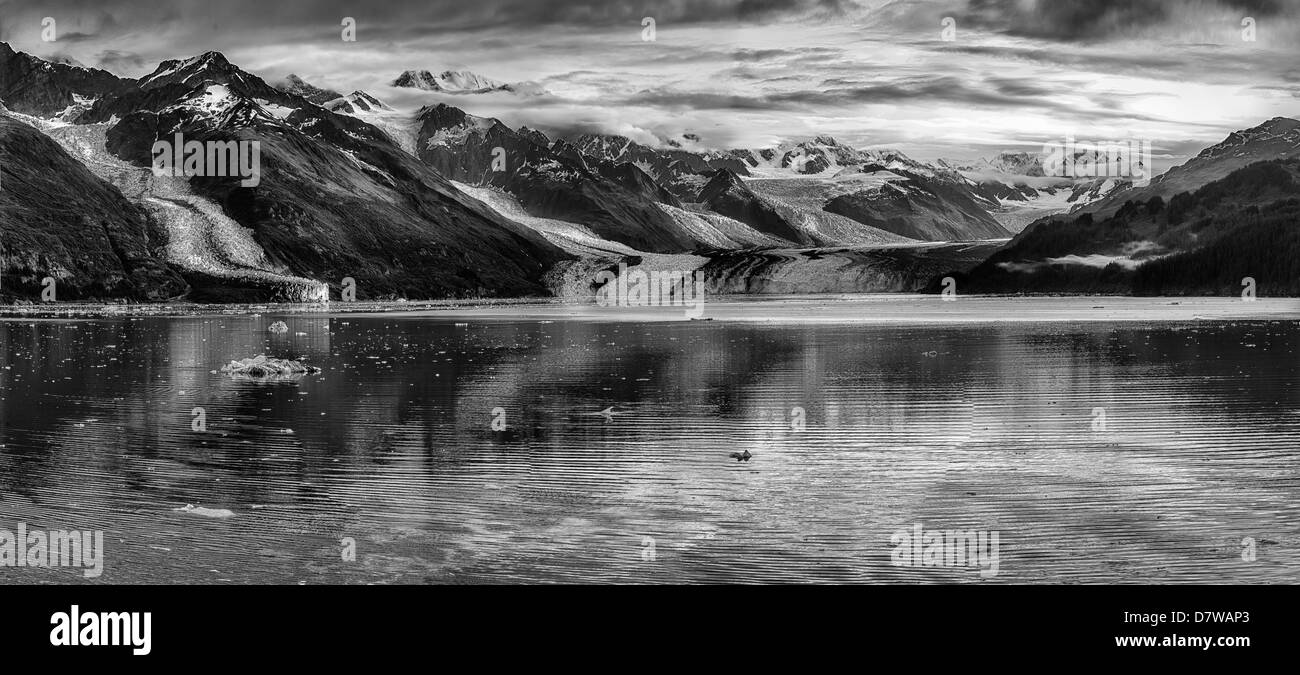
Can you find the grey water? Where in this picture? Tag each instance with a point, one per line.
(445, 450)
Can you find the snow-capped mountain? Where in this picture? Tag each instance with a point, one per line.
(884, 190)
(450, 82)
(337, 196)
(682, 172)
(356, 102)
(821, 155)
(296, 85)
(1010, 163)
(351, 187)
(618, 203)
(817, 191)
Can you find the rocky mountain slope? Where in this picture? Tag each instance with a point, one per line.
(682, 172)
(36, 87)
(1278, 138)
(63, 222)
(548, 182)
(1203, 242)
(337, 198)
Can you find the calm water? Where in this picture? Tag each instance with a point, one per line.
(964, 427)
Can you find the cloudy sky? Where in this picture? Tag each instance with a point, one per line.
(751, 73)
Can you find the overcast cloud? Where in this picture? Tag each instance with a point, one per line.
(873, 73)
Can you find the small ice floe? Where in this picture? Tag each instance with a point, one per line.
(263, 367)
(278, 327)
(206, 512)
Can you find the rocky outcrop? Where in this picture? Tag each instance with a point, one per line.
(36, 87)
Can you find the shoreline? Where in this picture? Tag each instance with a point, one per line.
(821, 309)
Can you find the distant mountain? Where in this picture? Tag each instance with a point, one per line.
(820, 155)
(680, 171)
(1278, 138)
(1016, 182)
(295, 85)
(355, 103)
(33, 86)
(817, 191)
(619, 204)
(727, 194)
(1202, 242)
(1009, 163)
(450, 82)
(883, 190)
(921, 205)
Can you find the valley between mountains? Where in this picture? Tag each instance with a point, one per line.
(441, 203)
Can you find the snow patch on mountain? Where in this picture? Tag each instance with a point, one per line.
(572, 237)
(801, 200)
(718, 231)
(450, 82)
(401, 128)
(200, 237)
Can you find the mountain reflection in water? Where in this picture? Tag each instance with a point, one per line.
(614, 463)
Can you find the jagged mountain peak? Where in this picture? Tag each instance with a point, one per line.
(206, 67)
(450, 81)
(208, 59)
(356, 102)
(300, 87)
(1018, 163)
(442, 115)
(35, 86)
(721, 181)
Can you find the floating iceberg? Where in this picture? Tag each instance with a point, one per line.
(261, 366)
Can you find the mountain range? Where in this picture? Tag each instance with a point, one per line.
(450, 82)
(1226, 215)
(444, 203)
